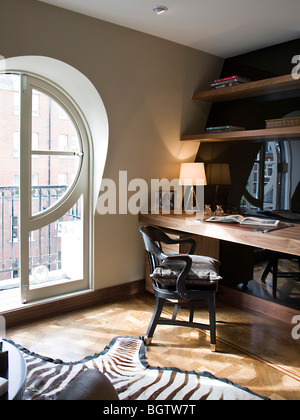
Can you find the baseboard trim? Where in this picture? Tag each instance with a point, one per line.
(62, 305)
(265, 307)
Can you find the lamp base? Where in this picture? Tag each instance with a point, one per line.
(190, 203)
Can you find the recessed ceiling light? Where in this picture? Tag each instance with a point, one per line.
(160, 9)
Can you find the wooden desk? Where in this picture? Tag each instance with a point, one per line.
(285, 240)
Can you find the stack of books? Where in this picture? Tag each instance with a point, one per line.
(283, 122)
(228, 81)
(223, 129)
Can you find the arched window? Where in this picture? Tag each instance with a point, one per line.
(45, 189)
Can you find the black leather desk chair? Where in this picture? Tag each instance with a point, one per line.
(272, 267)
(274, 257)
(180, 280)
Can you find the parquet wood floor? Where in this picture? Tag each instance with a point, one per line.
(252, 350)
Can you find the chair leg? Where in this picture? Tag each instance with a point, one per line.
(192, 310)
(267, 271)
(175, 312)
(212, 322)
(272, 267)
(155, 318)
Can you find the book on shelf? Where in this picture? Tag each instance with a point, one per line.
(283, 122)
(230, 78)
(216, 86)
(241, 220)
(223, 129)
(228, 81)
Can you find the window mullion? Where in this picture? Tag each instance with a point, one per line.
(261, 175)
(25, 182)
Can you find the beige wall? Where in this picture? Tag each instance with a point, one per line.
(146, 84)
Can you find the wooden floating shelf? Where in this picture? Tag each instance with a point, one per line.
(267, 134)
(247, 90)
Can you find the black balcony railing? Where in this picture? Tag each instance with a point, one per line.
(44, 244)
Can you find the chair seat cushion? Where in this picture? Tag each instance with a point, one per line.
(204, 271)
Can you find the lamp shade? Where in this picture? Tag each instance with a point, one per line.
(218, 174)
(192, 174)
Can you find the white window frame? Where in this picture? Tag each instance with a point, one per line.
(89, 104)
(81, 187)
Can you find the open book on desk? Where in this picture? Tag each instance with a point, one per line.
(241, 220)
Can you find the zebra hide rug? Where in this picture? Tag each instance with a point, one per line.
(124, 363)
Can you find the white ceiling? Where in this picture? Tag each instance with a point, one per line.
(222, 27)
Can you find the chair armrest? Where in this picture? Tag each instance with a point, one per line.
(180, 283)
(166, 239)
(190, 241)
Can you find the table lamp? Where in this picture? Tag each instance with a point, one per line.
(218, 174)
(192, 175)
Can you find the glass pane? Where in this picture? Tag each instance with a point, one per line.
(253, 181)
(52, 128)
(9, 180)
(270, 176)
(252, 185)
(51, 177)
(266, 183)
(56, 251)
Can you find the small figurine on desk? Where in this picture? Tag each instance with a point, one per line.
(219, 211)
(207, 210)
